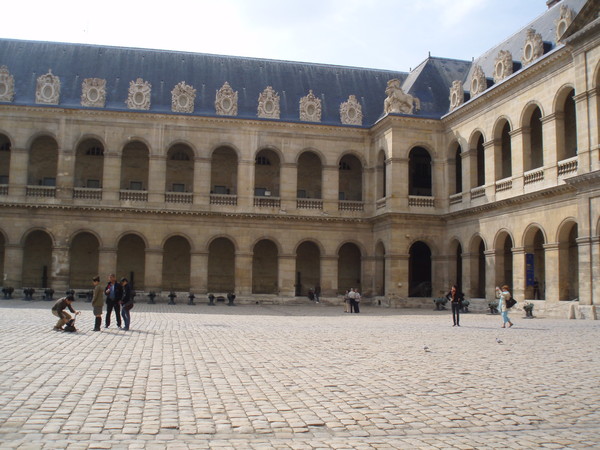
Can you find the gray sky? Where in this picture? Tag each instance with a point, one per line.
(381, 34)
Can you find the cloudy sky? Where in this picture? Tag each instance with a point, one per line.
(382, 34)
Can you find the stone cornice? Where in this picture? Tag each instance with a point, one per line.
(585, 181)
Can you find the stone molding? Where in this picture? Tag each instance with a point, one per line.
(226, 101)
(139, 94)
(397, 101)
(351, 111)
(183, 97)
(93, 92)
(268, 104)
(478, 81)
(533, 47)
(7, 85)
(503, 67)
(47, 89)
(310, 108)
(563, 21)
(457, 94)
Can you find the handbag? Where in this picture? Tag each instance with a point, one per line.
(510, 302)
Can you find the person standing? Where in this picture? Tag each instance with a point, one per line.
(58, 309)
(114, 292)
(126, 303)
(317, 293)
(97, 302)
(456, 299)
(356, 301)
(503, 295)
(347, 302)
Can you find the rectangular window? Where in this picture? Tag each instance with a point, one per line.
(49, 181)
(135, 185)
(93, 184)
(178, 187)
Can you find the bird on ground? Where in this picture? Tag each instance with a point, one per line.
(426, 348)
(499, 341)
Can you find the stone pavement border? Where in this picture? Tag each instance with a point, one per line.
(296, 377)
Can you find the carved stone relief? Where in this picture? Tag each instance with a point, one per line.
(351, 112)
(478, 81)
(503, 67)
(457, 94)
(398, 101)
(139, 94)
(183, 97)
(226, 101)
(48, 89)
(93, 92)
(563, 22)
(310, 108)
(533, 48)
(268, 104)
(7, 85)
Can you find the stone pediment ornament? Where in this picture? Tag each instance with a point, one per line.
(457, 94)
(533, 48)
(93, 92)
(503, 67)
(351, 112)
(226, 101)
(139, 94)
(183, 97)
(564, 20)
(310, 108)
(7, 85)
(398, 101)
(268, 104)
(48, 89)
(478, 81)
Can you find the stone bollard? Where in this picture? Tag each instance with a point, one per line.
(211, 300)
(191, 297)
(151, 296)
(172, 297)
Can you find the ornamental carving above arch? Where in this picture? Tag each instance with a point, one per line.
(7, 85)
(139, 94)
(183, 97)
(47, 89)
(93, 92)
(503, 67)
(268, 104)
(226, 101)
(310, 108)
(351, 111)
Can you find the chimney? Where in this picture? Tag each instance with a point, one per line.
(551, 3)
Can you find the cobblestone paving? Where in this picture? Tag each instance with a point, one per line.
(299, 377)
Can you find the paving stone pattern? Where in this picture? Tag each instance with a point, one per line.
(296, 377)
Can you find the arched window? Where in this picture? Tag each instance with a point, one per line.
(419, 172)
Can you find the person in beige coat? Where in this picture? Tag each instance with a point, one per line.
(97, 302)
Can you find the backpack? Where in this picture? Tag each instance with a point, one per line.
(70, 326)
(511, 302)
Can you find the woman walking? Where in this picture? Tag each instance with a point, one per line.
(503, 295)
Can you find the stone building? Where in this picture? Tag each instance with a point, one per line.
(204, 173)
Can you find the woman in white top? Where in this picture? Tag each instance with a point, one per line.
(503, 295)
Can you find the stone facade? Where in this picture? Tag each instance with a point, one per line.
(504, 188)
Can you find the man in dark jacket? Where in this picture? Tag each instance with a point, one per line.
(59, 311)
(114, 293)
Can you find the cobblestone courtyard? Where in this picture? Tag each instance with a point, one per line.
(301, 377)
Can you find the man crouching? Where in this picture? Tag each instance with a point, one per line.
(59, 311)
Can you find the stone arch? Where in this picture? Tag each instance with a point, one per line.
(89, 163)
(229, 145)
(350, 257)
(477, 158)
(502, 148)
(221, 265)
(351, 173)
(176, 263)
(135, 166)
(477, 265)
(179, 175)
(5, 152)
(534, 242)
(455, 176)
(131, 259)
(419, 270)
(310, 175)
(265, 266)
(455, 268)
(224, 170)
(308, 266)
(568, 260)
(84, 255)
(533, 142)
(566, 122)
(134, 139)
(420, 176)
(503, 245)
(37, 266)
(186, 143)
(267, 172)
(43, 161)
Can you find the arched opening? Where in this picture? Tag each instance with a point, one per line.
(419, 172)
(504, 260)
(180, 169)
(308, 267)
(480, 155)
(265, 268)
(176, 264)
(534, 148)
(567, 128)
(349, 268)
(89, 164)
(224, 171)
(2, 255)
(477, 266)
(134, 168)
(381, 175)
(267, 174)
(131, 260)
(43, 162)
(221, 266)
(380, 269)
(458, 170)
(5, 147)
(568, 262)
(350, 179)
(37, 260)
(455, 271)
(310, 174)
(506, 152)
(419, 270)
(84, 255)
(535, 264)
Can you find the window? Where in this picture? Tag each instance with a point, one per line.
(342, 196)
(49, 181)
(260, 192)
(5, 147)
(180, 156)
(3, 179)
(93, 184)
(344, 166)
(135, 185)
(262, 161)
(178, 187)
(95, 151)
(301, 193)
(221, 190)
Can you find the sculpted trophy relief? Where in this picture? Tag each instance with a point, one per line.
(398, 101)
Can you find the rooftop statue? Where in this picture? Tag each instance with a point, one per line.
(398, 101)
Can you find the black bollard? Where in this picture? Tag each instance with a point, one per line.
(231, 298)
(191, 297)
(151, 295)
(172, 297)
(211, 300)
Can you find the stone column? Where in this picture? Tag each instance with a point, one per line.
(439, 275)
(13, 266)
(550, 149)
(157, 173)
(59, 279)
(518, 288)
(243, 273)
(65, 174)
(17, 181)
(198, 272)
(330, 190)
(396, 274)
(288, 189)
(245, 186)
(517, 149)
(287, 275)
(329, 276)
(368, 276)
(467, 261)
(490, 170)
(153, 270)
(202, 182)
(586, 112)
(586, 273)
(490, 274)
(107, 263)
(397, 192)
(594, 268)
(551, 263)
(111, 177)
